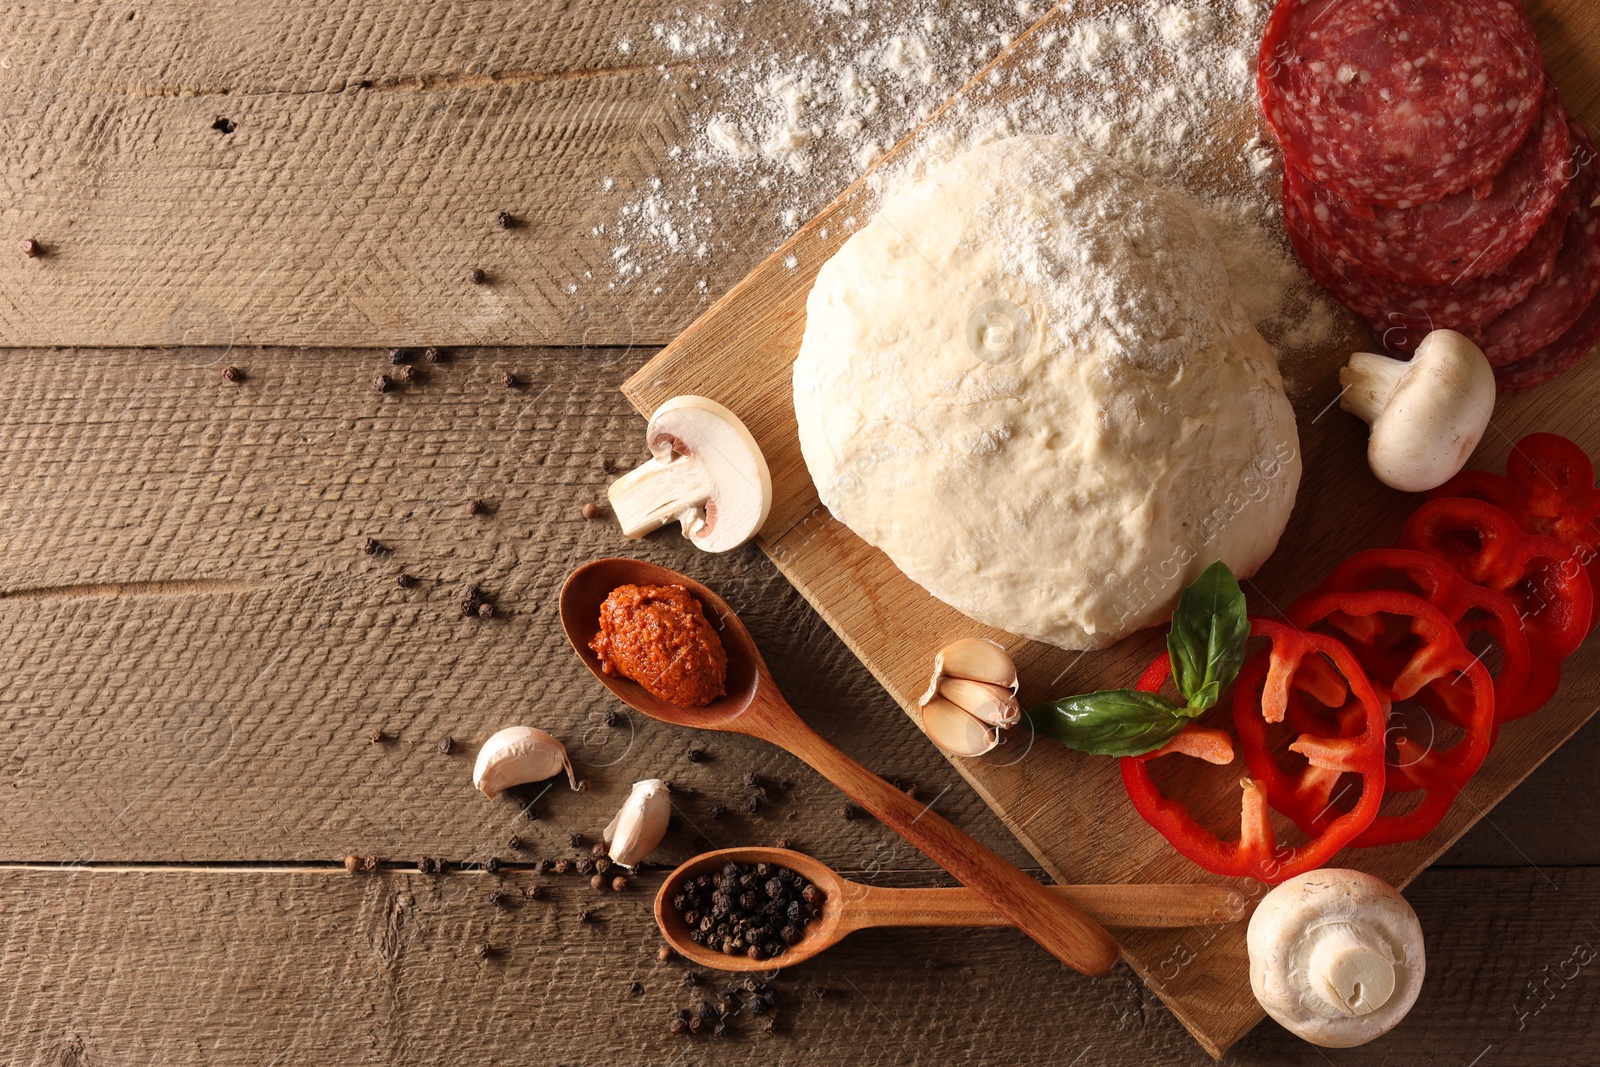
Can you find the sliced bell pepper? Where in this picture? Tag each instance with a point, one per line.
(1541, 576)
(1471, 608)
(1549, 489)
(1296, 663)
(1434, 659)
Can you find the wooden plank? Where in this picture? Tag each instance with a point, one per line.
(223, 967)
(197, 647)
(371, 152)
(1069, 809)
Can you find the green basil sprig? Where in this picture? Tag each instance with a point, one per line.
(1206, 645)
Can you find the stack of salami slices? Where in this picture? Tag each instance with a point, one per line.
(1432, 176)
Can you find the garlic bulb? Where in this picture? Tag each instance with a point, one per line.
(971, 698)
(641, 824)
(517, 755)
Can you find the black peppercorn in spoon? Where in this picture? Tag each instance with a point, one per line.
(850, 906)
(754, 707)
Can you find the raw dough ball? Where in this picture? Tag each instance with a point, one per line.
(1028, 382)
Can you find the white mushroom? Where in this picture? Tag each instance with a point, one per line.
(706, 472)
(1427, 413)
(1335, 956)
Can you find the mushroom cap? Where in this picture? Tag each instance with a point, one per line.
(1316, 938)
(741, 499)
(1436, 415)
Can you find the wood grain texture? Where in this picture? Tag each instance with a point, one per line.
(1070, 810)
(198, 649)
(247, 967)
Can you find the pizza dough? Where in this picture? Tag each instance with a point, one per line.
(1028, 381)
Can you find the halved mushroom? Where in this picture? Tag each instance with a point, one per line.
(1335, 956)
(1427, 413)
(706, 472)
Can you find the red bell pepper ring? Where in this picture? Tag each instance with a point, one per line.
(1542, 577)
(1471, 608)
(1435, 660)
(1549, 490)
(1296, 662)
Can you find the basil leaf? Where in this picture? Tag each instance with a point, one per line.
(1209, 632)
(1114, 722)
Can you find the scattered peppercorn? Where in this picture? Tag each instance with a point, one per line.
(485, 611)
(663, 953)
(397, 356)
(404, 580)
(678, 1026)
(597, 882)
(381, 383)
(602, 865)
(586, 916)
(618, 884)
(505, 220)
(718, 811)
(477, 277)
(599, 849)
(509, 380)
(371, 546)
(497, 899)
(231, 373)
(637, 988)
(608, 465)
(469, 609)
(378, 737)
(584, 866)
(432, 355)
(784, 842)
(476, 507)
(591, 511)
(224, 125)
(484, 950)
(542, 867)
(533, 892)
(563, 865)
(697, 755)
(427, 865)
(848, 812)
(352, 863)
(752, 803)
(31, 248)
(441, 865)
(369, 863)
(576, 840)
(447, 745)
(611, 718)
(407, 375)
(514, 843)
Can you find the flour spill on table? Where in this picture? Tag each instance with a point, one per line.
(791, 102)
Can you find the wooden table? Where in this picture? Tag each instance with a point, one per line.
(199, 649)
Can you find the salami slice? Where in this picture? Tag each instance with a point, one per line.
(1553, 360)
(1555, 304)
(1471, 234)
(1403, 314)
(1400, 102)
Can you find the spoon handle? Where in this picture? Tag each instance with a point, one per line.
(1052, 920)
(1126, 906)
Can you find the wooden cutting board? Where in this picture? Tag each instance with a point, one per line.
(1070, 810)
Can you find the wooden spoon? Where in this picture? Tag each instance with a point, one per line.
(850, 906)
(754, 707)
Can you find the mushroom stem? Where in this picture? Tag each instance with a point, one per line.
(1370, 382)
(664, 489)
(1354, 976)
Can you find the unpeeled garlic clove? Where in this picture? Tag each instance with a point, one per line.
(994, 704)
(954, 731)
(517, 755)
(641, 824)
(971, 697)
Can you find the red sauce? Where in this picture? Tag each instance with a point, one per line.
(659, 636)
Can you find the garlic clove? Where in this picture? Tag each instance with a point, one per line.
(954, 731)
(517, 755)
(976, 659)
(993, 704)
(638, 828)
